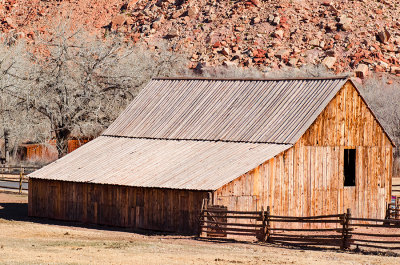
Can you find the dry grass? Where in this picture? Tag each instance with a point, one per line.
(35, 241)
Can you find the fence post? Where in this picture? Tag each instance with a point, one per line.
(21, 174)
(262, 236)
(201, 219)
(345, 231)
(205, 219)
(267, 232)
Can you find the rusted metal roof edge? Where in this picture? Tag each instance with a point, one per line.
(372, 112)
(193, 140)
(251, 79)
(120, 185)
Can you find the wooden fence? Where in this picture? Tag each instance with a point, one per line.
(382, 235)
(216, 221)
(15, 177)
(340, 230)
(16, 170)
(395, 188)
(393, 210)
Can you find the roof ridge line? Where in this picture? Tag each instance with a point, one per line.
(251, 79)
(194, 140)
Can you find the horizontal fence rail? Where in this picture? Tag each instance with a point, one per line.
(382, 237)
(15, 177)
(339, 230)
(216, 221)
(16, 170)
(393, 210)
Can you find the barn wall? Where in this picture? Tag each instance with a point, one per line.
(307, 179)
(138, 208)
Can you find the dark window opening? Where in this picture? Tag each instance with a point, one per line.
(349, 167)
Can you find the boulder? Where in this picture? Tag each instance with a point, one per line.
(279, 33)
(192, 12)
(118, 21)
(345, 23)
(329, 62)
(314, 42)
(225, 51)
(10, 22)
(362, 71)
(282, 53)
(383, 36)
(172, 33)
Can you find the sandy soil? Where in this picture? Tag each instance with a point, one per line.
(25, 240)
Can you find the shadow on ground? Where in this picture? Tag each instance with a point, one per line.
(12, 211)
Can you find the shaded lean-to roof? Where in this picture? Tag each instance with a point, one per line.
(194, 165)
(197, 134)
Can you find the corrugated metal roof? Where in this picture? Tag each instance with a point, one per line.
(257, 111)
(193, 165)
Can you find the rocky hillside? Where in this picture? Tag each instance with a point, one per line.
(344, 35)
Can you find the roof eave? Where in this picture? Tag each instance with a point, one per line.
(250, 79)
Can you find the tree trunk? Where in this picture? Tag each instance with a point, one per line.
(62, 137)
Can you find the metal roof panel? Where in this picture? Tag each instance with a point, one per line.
(256, 111)
(193, 165)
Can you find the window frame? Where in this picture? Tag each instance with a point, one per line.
(349, 167)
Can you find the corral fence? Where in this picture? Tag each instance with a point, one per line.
(395, 188)
(15, 177)
(340, 230)
(393, 210)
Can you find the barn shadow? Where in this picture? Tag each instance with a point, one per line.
(19, 212)
(14, 211)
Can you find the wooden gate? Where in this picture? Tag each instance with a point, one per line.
(217, 221)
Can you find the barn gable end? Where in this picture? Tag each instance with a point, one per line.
(346, 121)
(307, 179)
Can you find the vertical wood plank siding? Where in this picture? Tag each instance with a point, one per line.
(307, 179)
(121, 206)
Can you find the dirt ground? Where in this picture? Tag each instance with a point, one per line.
(25, 240)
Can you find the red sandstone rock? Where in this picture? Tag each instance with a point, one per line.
(362, 71)
(236, 25)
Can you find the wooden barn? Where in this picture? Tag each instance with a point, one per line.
(45, 152)
(301, 146)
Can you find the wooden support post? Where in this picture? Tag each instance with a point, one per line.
(263, 228)
(200, 231)
(387, 214)
(205, 219)
(348, 236)
(267, 231)
(345, 230)
(21, 175)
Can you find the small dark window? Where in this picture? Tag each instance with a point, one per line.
(349, 167)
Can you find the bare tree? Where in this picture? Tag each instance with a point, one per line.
(77, 84)
(14, 116)
(384, 98)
